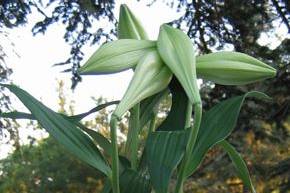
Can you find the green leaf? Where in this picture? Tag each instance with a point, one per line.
(64, 131)
(102, 141)
(164, 150)
(129, 27)
(177, 51)
(134, 182)
(75, 118)
(175, 119)
(149, 107)
(96, 109)
(239, 164)
(107, 186)
(216, 125)
(17, 115)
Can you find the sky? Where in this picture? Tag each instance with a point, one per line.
(35, 55)
(32, 59)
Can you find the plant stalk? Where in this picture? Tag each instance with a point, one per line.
(115, 158)
(190, 145)
(152, 125)
(133, 136)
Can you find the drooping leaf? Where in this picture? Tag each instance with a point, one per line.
(177, 51)
(216, 125)
(134, 182)
(75, 118)
(164, 150)
(96, 109)
(65, 132)
(239, 164)
(175, 119)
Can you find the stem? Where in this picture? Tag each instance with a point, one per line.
(133, 136)
(152, 125)
(115, 158)
(188, 115)
(189, 147)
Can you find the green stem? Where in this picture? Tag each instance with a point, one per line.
(188, 115)
(189, 147)
(131, 148)
(115, 158)
(152, 125)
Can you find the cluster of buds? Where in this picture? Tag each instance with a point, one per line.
(155, 62)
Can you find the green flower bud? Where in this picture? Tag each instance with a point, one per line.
(177, 51)
(116, 56)
(151, 76)
(232, 68)
(129, 26)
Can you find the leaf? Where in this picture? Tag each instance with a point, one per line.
(96, 109)
(148, 107)
(164, 150)
(102, 141)
(75, 118)
(216, 125)
(65, 132)
(134, 182)
(175, 119)
(129, 27)
(239, 164)
(176, 50)
(17, 115)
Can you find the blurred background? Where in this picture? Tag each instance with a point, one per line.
(43, 42)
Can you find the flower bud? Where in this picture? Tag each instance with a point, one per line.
(116, 56)
(129, 26)
(151, 76)
(232, 68)
(177, 51)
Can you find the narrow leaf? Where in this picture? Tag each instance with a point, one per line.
(216, 125)
(239, 164)
(65, 132)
